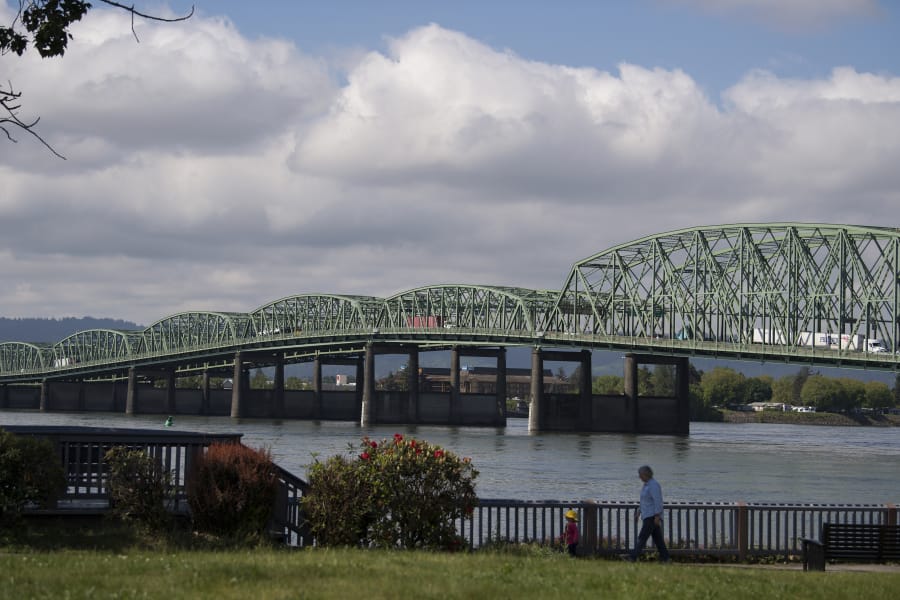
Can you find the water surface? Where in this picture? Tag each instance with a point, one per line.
(718, 462)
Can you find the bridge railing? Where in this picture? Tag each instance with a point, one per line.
(700, 529)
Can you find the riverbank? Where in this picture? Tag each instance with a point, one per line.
(795, 418)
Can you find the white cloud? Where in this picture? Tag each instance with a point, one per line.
(209, 171)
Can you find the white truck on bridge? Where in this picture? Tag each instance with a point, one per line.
(830, 341)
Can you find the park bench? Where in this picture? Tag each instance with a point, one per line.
(854, 542)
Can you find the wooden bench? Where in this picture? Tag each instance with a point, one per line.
(854, 542)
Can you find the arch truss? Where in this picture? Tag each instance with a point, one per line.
(737, 283)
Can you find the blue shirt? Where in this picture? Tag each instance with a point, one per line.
(651, 499)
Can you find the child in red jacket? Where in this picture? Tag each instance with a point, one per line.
(570, 535)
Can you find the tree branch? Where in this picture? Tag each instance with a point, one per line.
(134, 12)
(9, 102)
(44, 25)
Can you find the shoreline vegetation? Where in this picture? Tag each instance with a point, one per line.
(816, 418)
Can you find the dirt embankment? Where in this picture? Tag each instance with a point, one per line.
(771, 416)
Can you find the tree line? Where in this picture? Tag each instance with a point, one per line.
(724, 386)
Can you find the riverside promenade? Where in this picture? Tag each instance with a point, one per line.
(694, 531)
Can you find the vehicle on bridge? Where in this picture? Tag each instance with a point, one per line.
(828, 341)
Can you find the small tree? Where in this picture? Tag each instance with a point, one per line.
(138, 487)
(400, 493)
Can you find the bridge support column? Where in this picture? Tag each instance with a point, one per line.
(585, 396)
(360, 382)
(170, 392)
(536, 407)
(367, 413)
(45, 395)
(237, 387)
(4, 398)
(631, 390)
(412, 380)
(131, 394)
(500, 387)
(204, 392)
(278, 388)
(317, 388)
(455, 416)
(683, 395)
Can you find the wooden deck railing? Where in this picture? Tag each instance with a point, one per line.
(700, 529)
(83, 451)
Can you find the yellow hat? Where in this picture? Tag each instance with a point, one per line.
(571, 514)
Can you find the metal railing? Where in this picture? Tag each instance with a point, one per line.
(700, 529)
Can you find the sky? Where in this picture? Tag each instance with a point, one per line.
(265, 149)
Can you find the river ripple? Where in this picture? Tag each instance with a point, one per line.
(718, 462)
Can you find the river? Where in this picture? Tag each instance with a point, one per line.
(718, 462)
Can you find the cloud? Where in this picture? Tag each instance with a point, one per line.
(208, 171)
(789, 14)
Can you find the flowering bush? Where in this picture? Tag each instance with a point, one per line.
(399, 493)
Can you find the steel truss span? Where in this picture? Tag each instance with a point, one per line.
(798, 292)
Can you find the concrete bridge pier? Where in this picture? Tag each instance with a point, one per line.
(237, 387)
(536, 406)
(170, 391)
(367, 411)
(585, 391)
(455, 416)
(278, 389)
(317, 387)
(412, 379)
(131, 394)
(501, 387)
(360, 378)
(681, 411)
(204, 392)
(45, 395)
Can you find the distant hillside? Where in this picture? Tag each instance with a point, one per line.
(53, 330)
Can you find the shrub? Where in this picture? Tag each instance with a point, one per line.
(138, 487)
(400, 493)
(231, 490)
(30, 473)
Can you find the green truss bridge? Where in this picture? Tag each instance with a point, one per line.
(807, 293)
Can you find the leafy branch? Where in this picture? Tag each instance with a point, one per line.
(44, 25)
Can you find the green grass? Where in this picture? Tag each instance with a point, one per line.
(367, 574)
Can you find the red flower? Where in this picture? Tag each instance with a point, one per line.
(438, 453)
(412, 443)
(373, 444)
(418, 451)
(364, 456)
(398, 437)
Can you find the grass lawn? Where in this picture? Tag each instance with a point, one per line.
(369, 574)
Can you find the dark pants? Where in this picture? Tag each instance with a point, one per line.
(650, 529)
(573, 549)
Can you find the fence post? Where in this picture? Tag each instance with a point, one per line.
(743, 530)
(891, 514)
(589, 514)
